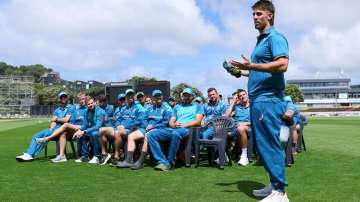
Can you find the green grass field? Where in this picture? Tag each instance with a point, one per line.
(328, 171)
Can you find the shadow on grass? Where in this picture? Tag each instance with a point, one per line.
(244, 186)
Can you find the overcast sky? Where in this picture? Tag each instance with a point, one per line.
(176, 40)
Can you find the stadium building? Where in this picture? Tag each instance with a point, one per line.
(328, 93)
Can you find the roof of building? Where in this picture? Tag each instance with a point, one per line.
(290, 81)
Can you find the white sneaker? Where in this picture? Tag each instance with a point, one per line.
(244, 161)
(264, 192)
(217, 161)
(59, 159)
(24, 157)
(94, 160)
(276, 196)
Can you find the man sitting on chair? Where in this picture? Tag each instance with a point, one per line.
(77, 122)
(157, 117)
(109, 132)
(214, 108)
(131, 117)
(241, 114)
(109, 110)
(61, 115)
(185, 115)
(94, 119)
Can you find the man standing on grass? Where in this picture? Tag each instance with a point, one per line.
(266, 85)
(61, 115)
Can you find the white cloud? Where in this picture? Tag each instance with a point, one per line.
(97, 34)
(329, 51)
(305, 14)
(323, 35)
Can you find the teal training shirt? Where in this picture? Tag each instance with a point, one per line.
(187, 113)
(158, 116)
(262, 85)
(214, 110)
(241, 113)
(61, 112)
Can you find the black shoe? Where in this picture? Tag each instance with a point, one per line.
(137, 166)
(114, 161)
(104, 159)
(82, 159)
(124, 164)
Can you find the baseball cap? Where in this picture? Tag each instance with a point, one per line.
(287, 99)
(128, 91)
(188, 91)
(156, 92)
(62, 93)
(121, 95)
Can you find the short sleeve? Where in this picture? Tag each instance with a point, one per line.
(279, 46)
(174, 112)
(199, 109)
(55, 113)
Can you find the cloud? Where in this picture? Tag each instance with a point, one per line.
(98, 34)
(323, 35)
(306, 14)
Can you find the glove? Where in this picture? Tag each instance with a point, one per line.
(231, 69)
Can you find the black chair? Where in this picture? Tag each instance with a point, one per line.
(301, 141)
(221, 126)
(289, 157)
(68, 139)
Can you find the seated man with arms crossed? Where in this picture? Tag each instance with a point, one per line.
(61, 115)
(94, 119)
(212, 109)
(185, 115)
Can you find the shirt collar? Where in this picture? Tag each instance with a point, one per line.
(267, 32)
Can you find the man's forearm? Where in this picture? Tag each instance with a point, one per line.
(277, 66)
(192, 124)
(62, 120)
(230, 109)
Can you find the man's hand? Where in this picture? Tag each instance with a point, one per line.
(54, 119)
(234, 99)
(78, 134)
(178, 125)
(76, 127)
(289, 114)
(243, 65)
(149, 127)
(121, 127)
